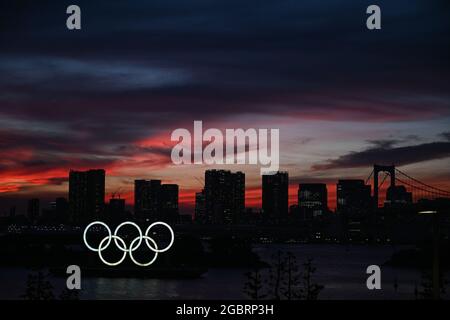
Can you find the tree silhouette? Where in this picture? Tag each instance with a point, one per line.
(284, 280)
(309, 290)
(276, 274)
(254, 285)
(292, 279)
(38, 287)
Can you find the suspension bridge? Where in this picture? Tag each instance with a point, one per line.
(402, 186)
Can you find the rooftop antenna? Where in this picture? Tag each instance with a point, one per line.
(117, 192)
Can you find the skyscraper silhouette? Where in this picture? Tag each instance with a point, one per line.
(312, 200)
(354, 203)
(86, 194)
(353, 196)
(147, 197)
(116, 209)
(153, 200)
(398, 196)
(200, 207)
(33, 209)
(224, 196)
(275, 193)
(169, 203)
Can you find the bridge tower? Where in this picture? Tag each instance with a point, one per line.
(377, 169)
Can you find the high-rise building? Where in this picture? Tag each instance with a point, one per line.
(61, 209)
(86, 194)
(238, 192)
(61, 206)
(116, 207)
(140, 196)
(353, 196)
(200, 208)
(275, 196)
(12, 212)
(116, 210)
(57, 212)
(147, 197)
(224, 196)
(33, 209)
(169, 203)
(312, 200)
(398, 196)
(154, 200)
(354, 204)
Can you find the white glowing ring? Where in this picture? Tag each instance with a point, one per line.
(99, 247)
(155, 252)
(156, 247)
(103, 248)
(120, 243)
(125, 249)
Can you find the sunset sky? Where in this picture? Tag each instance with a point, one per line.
(109, 95)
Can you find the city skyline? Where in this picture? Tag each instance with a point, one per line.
(343, 97)
(226, 191)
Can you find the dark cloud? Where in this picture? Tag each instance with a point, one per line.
(389, 143)
(445, 135)
(130, 150)
(383, 144)
(227, 57)
(387, 154)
